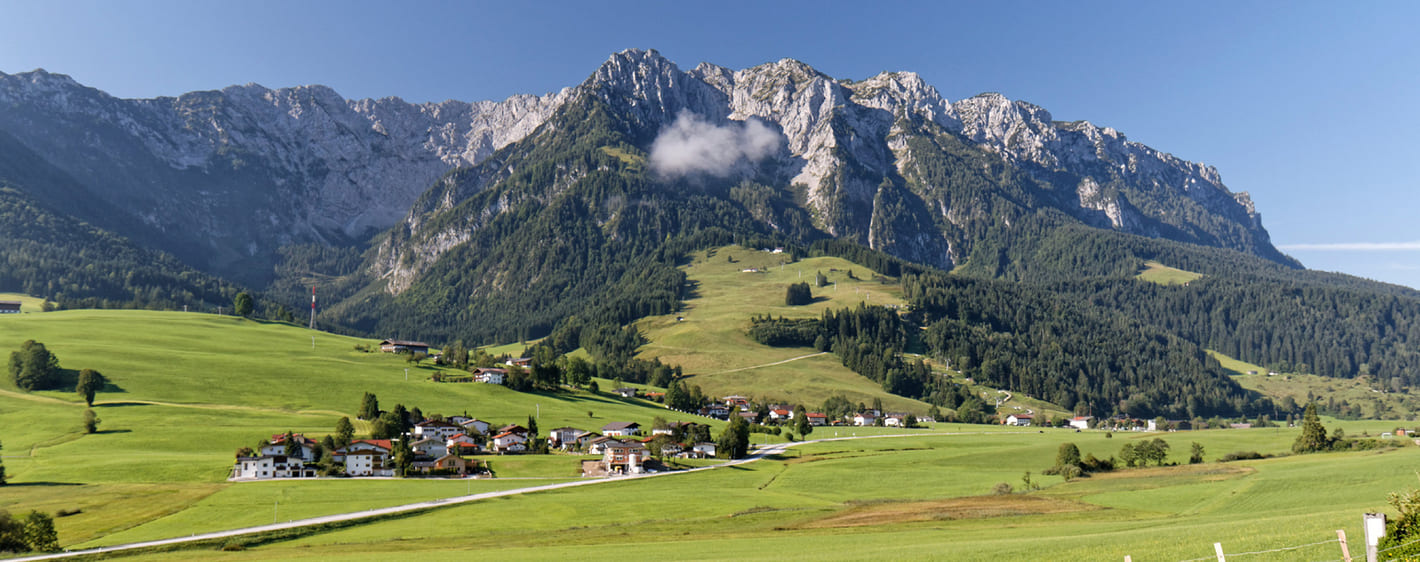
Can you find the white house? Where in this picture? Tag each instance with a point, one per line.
(816, 419)
(510, 442)
(368, 463)
(1081, 422)
(270, 466)
(621, 429)
(563, 436)
(781, 414)
(476, 425)
(430, 447)
(708, 449)
(437, 429)
(864, 419)
(277, 446)
(1019, 419)
(490, 375)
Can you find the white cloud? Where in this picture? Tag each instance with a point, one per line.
(692, 145)
(1354, 247)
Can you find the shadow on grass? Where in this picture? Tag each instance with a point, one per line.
(108, 431)
(38, 484)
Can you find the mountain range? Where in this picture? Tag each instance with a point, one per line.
(566, 213)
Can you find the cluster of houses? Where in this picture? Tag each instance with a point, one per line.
(440, 446)
(782, 413)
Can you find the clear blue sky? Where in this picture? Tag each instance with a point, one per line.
(1310, 106)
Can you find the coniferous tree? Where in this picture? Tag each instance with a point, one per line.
(1313, 437)
(369, 407)
(798, 294)
(344, 432)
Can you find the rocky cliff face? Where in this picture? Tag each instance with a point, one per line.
(226, 177)
(244, 170)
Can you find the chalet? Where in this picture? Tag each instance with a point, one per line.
(523, 362)
(715, 411)
(582, 440)
(748, 416)
(510, 442)
(9, 307)
(816, 418)
(597, 445)
(490, 375)
(1020, 419)
(897, 420)
(437, 429)
(865, 419)
(625, 392)
(463, 445)
(662, 431)
(563, 435)
(270, 466)
(514, 428)
(736, 400)
(671, 449)
(625, 457)
(475, 425)
(781, 414)
(621, 429)
(707, 449)
(277, 446)
(1081, 422)
(657, 396)
(430, 447)
(402, 346)
(368, 463)
(452, 463)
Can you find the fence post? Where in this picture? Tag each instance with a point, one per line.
(1345, 550)
(1374, 525)
(1218, 547)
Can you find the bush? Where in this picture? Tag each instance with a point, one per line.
(1242, 456)
(1002, 489)
(798, 294)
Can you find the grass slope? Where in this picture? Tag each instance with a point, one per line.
(27, 303)
(1376, 399)
(708, 337)
(922, 497)
(1155, 272)
(186, 390)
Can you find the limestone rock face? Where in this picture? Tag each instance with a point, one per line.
(227, 177)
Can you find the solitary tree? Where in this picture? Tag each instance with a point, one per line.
(90, 382)
(1067, 455)
(1197, 456)
(242, 305)
(820, 279)
(1313, 437)
(733, 442)
(801, 421)
(798, 294)
(91, 421)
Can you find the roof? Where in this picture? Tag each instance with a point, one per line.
(616, 444)
(815, 415)
(382, 443)
(405, 343)
(490, 370)
(780, 412)
(506, 434)
(437, 423)
(614, 426)
(1024, 416)
(10, 303)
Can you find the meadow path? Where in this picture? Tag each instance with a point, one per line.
(759, 453)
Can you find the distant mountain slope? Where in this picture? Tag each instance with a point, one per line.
(225, 178)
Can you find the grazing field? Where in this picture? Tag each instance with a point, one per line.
(1155, 272)
(27, 303)
(708, 337)
(922, 497)
(1375, 399)
(186, 390)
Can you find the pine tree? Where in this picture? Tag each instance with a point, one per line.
(344, 432)
(1313, 437)
(369, 407)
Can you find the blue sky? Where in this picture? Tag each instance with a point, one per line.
(1309, 106)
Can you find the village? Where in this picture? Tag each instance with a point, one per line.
(449, 447)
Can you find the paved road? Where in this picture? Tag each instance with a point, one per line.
(759, 453)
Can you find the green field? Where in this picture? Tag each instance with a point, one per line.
(1155, 272)
(924, 497)
(1376, 399)
(27, 303)
(708, 337)
(187, 390)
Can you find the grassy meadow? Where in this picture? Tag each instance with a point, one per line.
(1155, 272)
(186, 390)
(708, 337)
(921, 497)
(1376, 399)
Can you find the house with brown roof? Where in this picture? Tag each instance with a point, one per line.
(10, 307)
(621, 429)
(625, 457)
(404, 346)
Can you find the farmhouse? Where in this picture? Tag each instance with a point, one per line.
(1081, 422)
(475, 425)
(625, 392)
(625, 457)
(523, 362)
(270, 466)
(816, 418)
(437, 429)
(510, 442)
(864, 419)
(402, 346)
(1019, 419)
(9, 307)
(621, 429)
(781, 414)
(277, 446)
(490, 375)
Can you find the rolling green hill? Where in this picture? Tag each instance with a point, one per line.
(187, 390)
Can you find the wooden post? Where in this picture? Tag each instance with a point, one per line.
(1218, 548)
(1345, 551)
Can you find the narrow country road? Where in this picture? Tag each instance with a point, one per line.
(759, 453)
